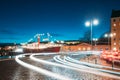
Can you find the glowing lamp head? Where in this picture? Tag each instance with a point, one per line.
(87, 23)
(95, 22)
(106, 35)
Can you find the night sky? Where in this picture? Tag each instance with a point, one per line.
(20, 20)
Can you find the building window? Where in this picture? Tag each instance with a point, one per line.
(106, 49)
(114, 48)
(83, 49)
(114, 39)
(114, 20)
(114, 29)
(88, 48)
(114, 24)
(79, 48)
(114, 34)
(114, 43)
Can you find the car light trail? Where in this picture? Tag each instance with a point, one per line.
(40, 70)
(89, 64)
(108, 71)
(89, 70)
(68, 64)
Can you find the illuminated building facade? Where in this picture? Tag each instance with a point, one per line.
(115, 30)
(85, 47)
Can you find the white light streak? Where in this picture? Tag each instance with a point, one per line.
(40, 70)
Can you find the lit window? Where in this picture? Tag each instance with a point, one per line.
(114, 24)
(114, 48)
(114, 43)
(83, 49)
(114, 34)
(88, 48)
(79, 48)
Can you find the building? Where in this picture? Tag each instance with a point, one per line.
(115, 30)
(85, 47)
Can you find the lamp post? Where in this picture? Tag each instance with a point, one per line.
(90, 24)
(95, 39)
(108, 36)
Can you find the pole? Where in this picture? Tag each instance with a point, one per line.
(108, 39)
(91, 33)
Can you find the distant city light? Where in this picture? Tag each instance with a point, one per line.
(19, 50)
(51, 42)
(106, 35)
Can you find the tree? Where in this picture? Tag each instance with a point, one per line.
(86, 37)
(103, 39)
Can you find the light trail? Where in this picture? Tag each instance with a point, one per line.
(86, 69)
(40, 70)
(67, 65)
(89, 64)
(108, 71)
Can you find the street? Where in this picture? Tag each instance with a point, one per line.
(52, 66)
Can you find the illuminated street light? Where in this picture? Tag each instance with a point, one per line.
(87, 23)
(108, 36)
(95, 39)
(90, 24)
(95, 22)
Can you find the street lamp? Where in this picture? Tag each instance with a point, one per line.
(90, 24)
(108, 36)
(95, 39)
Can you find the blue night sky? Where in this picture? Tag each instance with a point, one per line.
(20, 20)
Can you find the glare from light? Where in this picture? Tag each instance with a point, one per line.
(95, 22)
(106, 35)
(114, 49)
(87, 23)
(19, 50)
(114, 34)
(95, 39)
(111, 35)
(62, 41)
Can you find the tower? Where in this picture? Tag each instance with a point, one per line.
(115, 30)
(38, 39)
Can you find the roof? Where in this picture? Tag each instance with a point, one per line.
(84, 44)
(115, 13)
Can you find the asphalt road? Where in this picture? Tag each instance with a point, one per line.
(11, 70)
